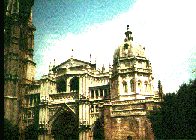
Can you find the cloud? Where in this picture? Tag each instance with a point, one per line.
(166, 28)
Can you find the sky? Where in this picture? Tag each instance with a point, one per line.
(165, 27)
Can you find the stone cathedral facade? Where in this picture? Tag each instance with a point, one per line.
(74, 96)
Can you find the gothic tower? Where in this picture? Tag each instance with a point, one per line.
(18, 56)
(132, 71)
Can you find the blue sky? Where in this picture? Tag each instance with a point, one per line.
(166, 28)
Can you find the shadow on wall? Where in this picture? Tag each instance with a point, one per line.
(98, 133)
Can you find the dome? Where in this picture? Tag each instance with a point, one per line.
(129, 49)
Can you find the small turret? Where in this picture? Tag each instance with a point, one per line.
(50, 68)
(71, 53)
(54, 64)
(95, 60)
(103, 69)
(90, 58)
(110, 71)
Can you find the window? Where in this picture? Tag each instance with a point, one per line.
(101, 92)
(74, 84)
(106, 92)
(97, 109)
(29, 114)
(92, 93)
(146, 87)
(132, 85)
(92, 108)
(61, 85)
(31, 101)
(139, 87)
(96, 92)
(125, 87)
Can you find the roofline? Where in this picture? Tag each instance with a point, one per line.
(75, 60)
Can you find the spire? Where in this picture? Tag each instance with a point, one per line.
(110, 68)
(95, 59)
(103, 69)
(71, 53)
(54, 64)
(50, 67)
(90, 58)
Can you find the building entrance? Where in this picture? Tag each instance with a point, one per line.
(65, 126)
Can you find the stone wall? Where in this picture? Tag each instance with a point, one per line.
(126, 127)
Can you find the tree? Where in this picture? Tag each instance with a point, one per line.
(176, 119)
(160, 90)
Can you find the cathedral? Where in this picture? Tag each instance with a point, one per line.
(75, 96)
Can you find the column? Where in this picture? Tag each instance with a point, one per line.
(80, 114)
(94, 94)
(33, 102)
(84, 113)
(99, 93)
(86, 83)
(80, 86)
(68, 84)
(103, 93)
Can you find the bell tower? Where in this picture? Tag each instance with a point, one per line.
(18, 56)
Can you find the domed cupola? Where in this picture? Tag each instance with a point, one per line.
(129, 48)
(131, 69)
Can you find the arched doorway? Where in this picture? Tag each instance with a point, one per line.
(65, 126)
(74, 84)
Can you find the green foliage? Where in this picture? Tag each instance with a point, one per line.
(176, 118)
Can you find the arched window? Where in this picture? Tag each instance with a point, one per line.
(146, 86)
(92, 93)
(101, 92)
(139, 85)
(61, 85)
(125, 86)
(96, 92)
(132, 85)
(106, 93)
(74, 84)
